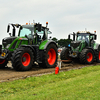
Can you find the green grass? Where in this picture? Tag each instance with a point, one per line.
(80, 84)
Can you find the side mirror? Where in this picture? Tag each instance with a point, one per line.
(73, 36)
(8, 28)
(95, 37)
(69, 37)
(21, 27)
(39, 27)
(13, 32)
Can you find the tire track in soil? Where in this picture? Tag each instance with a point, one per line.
(9, 74)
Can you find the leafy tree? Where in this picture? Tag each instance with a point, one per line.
(64, 42)
(55, 39)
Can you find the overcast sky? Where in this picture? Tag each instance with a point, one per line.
(63, 16)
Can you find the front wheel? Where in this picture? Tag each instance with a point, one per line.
(65, 55)
(3, 63)
(86, 56)
(22, 59)
(50, 57)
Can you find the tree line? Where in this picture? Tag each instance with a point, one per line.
(62, 42)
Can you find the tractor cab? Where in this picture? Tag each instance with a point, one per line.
(86, 37)
(36, 33)
(83, 36)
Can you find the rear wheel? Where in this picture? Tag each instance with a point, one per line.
(3, 63)
(65, 55)
(50, 57)
(98, 55)
(23, 59)
(86, 56)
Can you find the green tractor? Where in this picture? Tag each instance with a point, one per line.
(82, 48)
(31, 45)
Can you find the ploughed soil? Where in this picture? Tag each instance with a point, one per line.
(9, 74)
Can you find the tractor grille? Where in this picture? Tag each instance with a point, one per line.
(75, 44)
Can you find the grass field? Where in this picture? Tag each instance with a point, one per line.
(80, 84)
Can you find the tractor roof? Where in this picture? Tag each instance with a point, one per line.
(84, 32)
(32, 25)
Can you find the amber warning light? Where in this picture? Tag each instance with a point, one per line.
(46, 24)
(94, 31)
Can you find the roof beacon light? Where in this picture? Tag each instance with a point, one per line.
(94, 31)
(46, 24)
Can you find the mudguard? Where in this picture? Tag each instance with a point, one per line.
(96, 46)
(45, 43)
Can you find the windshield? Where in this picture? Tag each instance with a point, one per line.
(83, 36)
(26, 30)
(29, 29)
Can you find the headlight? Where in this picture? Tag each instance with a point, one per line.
(8, 46)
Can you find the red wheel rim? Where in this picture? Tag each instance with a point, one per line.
(89, 57)
(2, 61)
(26, 59)
(51, 56)
(99, 55)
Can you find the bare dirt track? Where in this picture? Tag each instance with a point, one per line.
(9, 73)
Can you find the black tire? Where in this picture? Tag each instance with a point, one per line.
(3, 63)
(22, 59)
(50, 57)
(86, 56)
(65, 55)
(98, 55)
